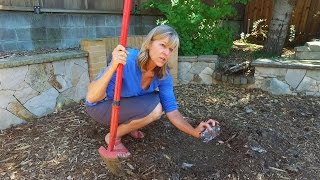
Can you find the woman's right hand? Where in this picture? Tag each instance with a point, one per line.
(208, 124)
(119, 56)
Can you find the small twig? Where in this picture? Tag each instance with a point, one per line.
(284, 177)
(5, 160)
(25, 162)
(50, 131)
(23, 147)
(240, 116)
(147, 170)
(233, 136)
(101, 175)
(277, 169)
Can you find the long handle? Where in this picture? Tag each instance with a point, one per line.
(117, 91)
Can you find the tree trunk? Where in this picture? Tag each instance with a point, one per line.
(278, 28)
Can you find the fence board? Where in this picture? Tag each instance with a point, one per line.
(54, 4)
(17, 3)
(312, 19)
(112, 5)
(107, 5)
(315, 28)
(5, 2)
(74, 4)
(305, 17)
(297, 13)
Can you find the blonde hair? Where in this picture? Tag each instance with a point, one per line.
(157, 33)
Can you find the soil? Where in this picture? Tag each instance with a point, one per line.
(263, 137)
(8, 54)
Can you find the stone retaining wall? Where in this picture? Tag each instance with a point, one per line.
(288, 76)
(310, 51)
(31, 87)
(197, 69)
(234, 79)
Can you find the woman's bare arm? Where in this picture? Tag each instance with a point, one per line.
(178, 121)
(97, 88)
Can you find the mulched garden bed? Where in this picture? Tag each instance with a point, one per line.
(263, 137)
(8, 54)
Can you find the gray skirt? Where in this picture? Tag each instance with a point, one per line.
(131, 108)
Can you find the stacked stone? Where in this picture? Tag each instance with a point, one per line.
(31, 87)
(310, 51)
(301, 76)
(196, 69)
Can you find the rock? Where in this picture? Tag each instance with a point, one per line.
(8, 119)
(186, 166)
(44, 103)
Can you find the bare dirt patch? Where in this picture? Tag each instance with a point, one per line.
(10, 54)
(263, 137)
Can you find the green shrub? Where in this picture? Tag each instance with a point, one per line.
(199, 25)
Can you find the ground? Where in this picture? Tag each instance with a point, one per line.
(263, 137)
(8, 54)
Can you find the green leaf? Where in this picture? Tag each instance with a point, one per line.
(198, 25)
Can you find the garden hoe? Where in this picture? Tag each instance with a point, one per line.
(108, 155)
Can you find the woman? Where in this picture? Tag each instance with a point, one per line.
(147, 89)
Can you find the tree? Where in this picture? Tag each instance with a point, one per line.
(279, 25)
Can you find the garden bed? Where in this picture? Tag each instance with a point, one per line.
(263, 137)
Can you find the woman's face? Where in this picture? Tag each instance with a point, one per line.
(160, 51)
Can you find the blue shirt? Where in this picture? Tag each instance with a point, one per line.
(131, 84)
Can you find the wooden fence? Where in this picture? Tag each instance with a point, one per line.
(305, 18)
(102, 6)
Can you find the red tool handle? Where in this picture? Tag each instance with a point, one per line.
(117, 91)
